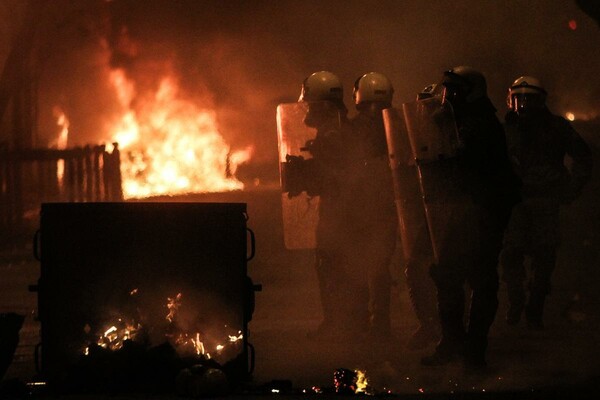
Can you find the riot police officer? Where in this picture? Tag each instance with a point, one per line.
(373, 219)
(538, 142)
(322, 93)
(485, 189)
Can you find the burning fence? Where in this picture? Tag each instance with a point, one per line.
(159, 144)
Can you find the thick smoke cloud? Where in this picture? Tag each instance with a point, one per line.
(243, 58)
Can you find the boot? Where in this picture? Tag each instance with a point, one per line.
(543, 263)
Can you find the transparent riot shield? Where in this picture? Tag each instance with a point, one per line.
(299, 204)
(431, 130)
(449, 209)
(409, 201)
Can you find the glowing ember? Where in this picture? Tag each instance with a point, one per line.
(184, 341)
(173, 305)
(236, 338)
(570, 116)
(169, 145)
(114, 335)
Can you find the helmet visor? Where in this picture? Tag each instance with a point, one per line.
(454, 93)
(523, 102)
(321, 113)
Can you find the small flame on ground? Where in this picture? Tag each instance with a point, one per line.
(362, 382)
(570, 116)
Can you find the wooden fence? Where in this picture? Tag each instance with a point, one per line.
(30, 177)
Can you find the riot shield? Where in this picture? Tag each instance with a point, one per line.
(409, 202)
(300, 205)
(431, 130)
(449, 209)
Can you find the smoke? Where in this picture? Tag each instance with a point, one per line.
(243, 58)
(11, 14)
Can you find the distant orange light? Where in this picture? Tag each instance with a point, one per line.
(572, 24)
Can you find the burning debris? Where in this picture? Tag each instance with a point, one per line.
(153, 288)
(184, 358)
(346, 381)
(169, 144)
(115, 335)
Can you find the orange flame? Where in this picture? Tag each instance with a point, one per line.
(114, 335)
(61, 141)
(169, 145)
(173, 305)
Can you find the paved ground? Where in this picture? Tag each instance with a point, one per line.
(567, 352)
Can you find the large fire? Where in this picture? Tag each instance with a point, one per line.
(169, 145)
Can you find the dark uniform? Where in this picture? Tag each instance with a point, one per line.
(372, 220)
(538, 142)
(492, 189)
(324, 175)
(333, 237)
